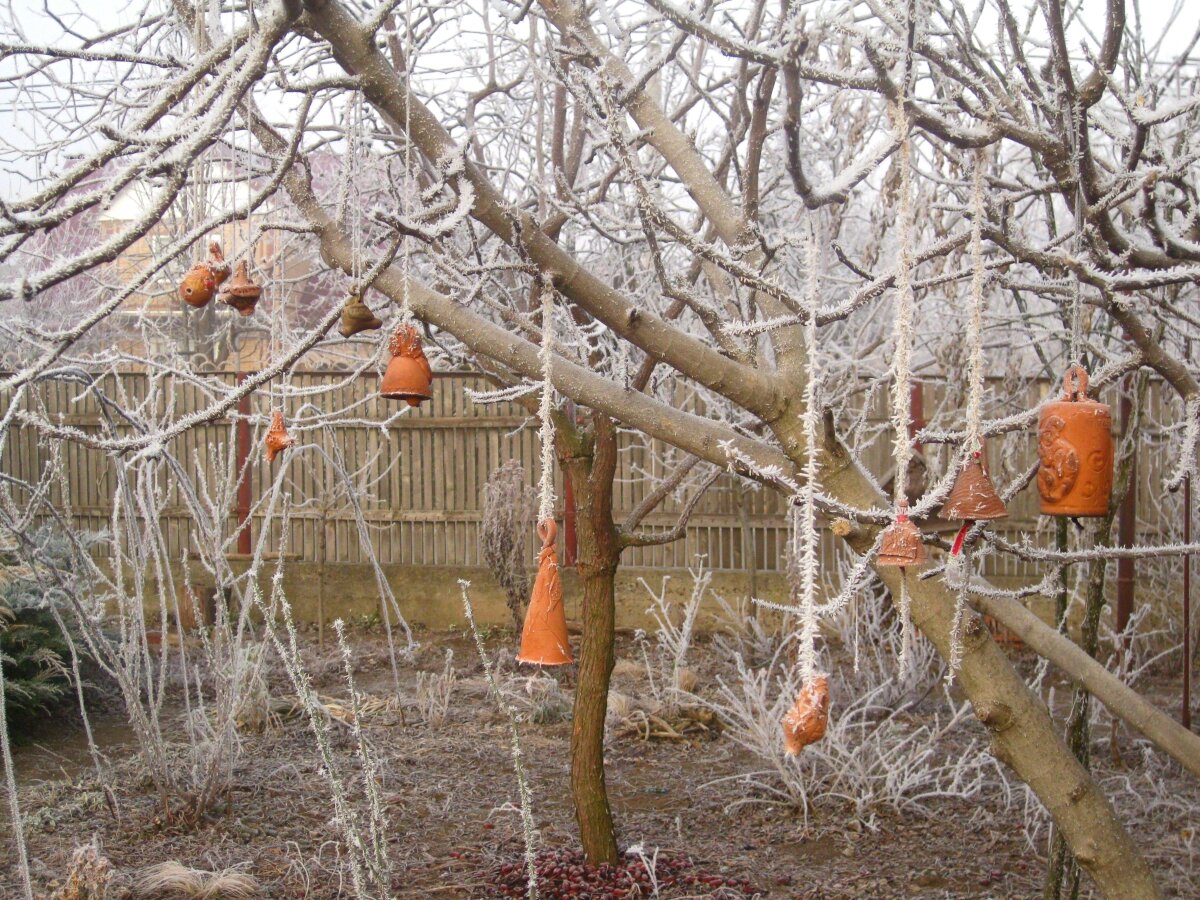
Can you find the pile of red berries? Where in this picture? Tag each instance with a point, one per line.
(564, 874)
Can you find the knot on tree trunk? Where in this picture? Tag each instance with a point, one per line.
(998, 717)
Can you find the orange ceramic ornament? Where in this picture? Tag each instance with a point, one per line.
(202, 280)
(973, 498)
(544, 638)
(408, 376)
(278, 439)
(901, 544)
(241, 293)
(1075, 450)
(806, 721)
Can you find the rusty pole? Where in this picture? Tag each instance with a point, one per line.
(1127, 528)
(244, 495)
(1186, 717)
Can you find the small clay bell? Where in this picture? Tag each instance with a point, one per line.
(202, 279)
(901, 544)
(805, 723)
(408, 376)
(241, 293)
(1075, 452)
(278, 439)
(357, 316)
(973, 496)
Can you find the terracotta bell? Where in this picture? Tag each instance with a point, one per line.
(357, 316)
(544, 639)
(901, 544)
(1075, 448)
(241, 293)
(408, 376)
(806, 721)
(202, 279)
(973, 498)
(278, 439)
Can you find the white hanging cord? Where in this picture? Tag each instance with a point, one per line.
(546, 407)
(902, 359)
(806, 517)
(903, 326)
(1080, 210)
(974, 441)
(406, 260)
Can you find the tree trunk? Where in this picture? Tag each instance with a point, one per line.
(589, 460)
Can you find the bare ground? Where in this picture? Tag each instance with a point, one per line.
(451, 795)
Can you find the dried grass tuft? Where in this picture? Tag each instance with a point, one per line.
(173, 879)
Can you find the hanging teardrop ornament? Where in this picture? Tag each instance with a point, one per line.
(203, 279)
(408, 376)
(806, 722)
(972, 499)
(901, 544)
(1075, 452)
(278, 438)
(544, 639)
(241, 293)
(357, 316)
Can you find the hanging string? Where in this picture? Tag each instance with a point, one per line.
(546, 407)
(1080, 211)
(806, 518)
(974, 442)
(406, 315)
(902, 359)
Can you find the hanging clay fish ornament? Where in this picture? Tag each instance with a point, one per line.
(807, 720)
(203, 279)
(278, 439)
(241, 293)
(357, 316)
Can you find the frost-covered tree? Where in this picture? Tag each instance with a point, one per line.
(712, 193)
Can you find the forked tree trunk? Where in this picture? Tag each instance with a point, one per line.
(589, 460)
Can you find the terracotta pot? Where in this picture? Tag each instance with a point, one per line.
(544, 639)
(202, 279)
(357, 316)
(408, 376)
(1075, 450)
(901, 544)
(973, 496)
(805, 723)
(278, 439)
(241, 292)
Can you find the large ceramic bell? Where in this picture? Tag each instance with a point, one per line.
(1075, 450)
(544, 637)
(408, 376)
(278, 438)
(805, 723)
(901, 544)
(357, 316)
(203, 279)
(241, 293)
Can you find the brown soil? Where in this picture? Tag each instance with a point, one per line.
(451, 795)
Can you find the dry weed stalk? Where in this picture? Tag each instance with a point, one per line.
(508, 508)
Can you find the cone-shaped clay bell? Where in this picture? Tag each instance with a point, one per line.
(973, 496)
(202, 279)
(806, 721)
(278, 439)
(241, 293)
(408, 376)
(901, 544)
(544, 638)
(357, 316)
(1075, 450)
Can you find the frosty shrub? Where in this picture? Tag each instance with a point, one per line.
(508, 509)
